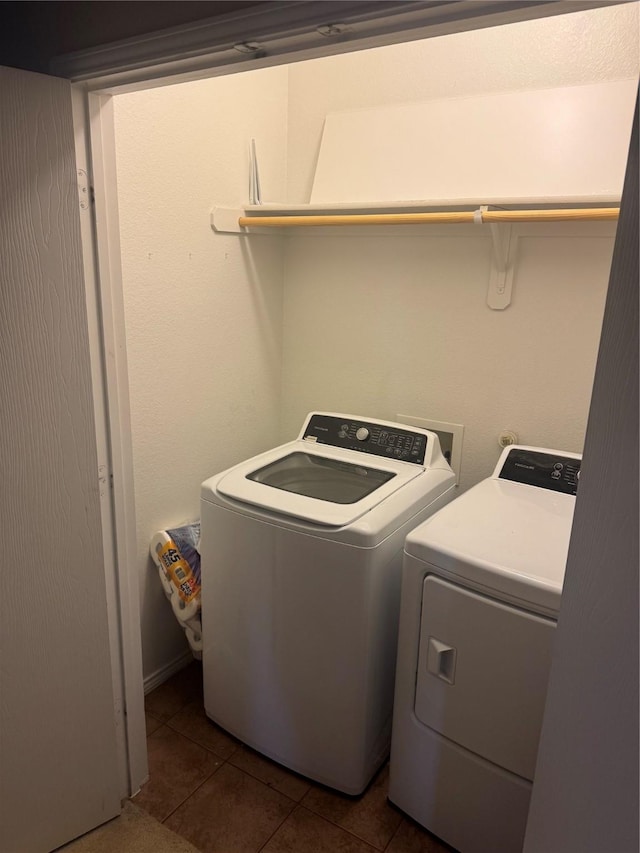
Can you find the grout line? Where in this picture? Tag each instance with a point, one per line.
(197, 788)
(397, 830)
(343, 829)
(201, 745)
(153, 714)
(280, 825)
(268, 784)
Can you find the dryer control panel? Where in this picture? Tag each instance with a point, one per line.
(540, 468)
(379, 439)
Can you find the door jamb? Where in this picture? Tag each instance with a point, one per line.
(95, 153)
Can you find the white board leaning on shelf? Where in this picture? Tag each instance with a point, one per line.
(566, 144)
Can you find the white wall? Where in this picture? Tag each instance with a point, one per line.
(203, 310)
(382, 323)
(583, 47)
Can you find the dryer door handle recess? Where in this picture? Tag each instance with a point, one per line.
(441, 660)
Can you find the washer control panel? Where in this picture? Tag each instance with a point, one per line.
(391, 442)
(545, 470)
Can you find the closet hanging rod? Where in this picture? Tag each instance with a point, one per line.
(477, 216)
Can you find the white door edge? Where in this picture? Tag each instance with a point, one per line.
(95, 155)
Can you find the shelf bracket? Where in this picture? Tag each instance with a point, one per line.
(503, 252)
(225, 220)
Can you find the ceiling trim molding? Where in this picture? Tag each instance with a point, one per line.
(290, 30)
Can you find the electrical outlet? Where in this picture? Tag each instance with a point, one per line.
(450, 436)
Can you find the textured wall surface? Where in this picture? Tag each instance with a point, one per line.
(203, 310)
(383, 323)
(583, 47)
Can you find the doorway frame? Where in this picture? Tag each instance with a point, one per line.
(98, 75)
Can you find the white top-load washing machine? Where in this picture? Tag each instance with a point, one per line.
(481, 588)
(301, 558)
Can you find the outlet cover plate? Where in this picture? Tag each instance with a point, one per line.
(450, 435)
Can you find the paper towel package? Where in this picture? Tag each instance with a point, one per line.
(175, 553)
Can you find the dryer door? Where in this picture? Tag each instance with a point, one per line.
(482, 674)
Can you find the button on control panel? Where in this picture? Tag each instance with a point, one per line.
(545, 470)
(368, 437)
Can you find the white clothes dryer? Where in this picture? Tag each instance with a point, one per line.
(481, 588)
(301, 559)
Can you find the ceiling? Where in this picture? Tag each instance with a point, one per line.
(35, 32)
(32, 33)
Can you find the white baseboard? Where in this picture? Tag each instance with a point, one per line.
(161, 675)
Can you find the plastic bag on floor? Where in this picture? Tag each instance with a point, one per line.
(176, 555)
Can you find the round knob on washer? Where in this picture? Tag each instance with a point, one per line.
(362, 433)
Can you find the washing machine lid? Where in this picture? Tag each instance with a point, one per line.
(316, 476)
(324, 485)
(507, 536)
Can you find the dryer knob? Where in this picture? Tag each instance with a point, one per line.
(362, 433)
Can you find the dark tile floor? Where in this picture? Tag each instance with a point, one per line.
(225, 798)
